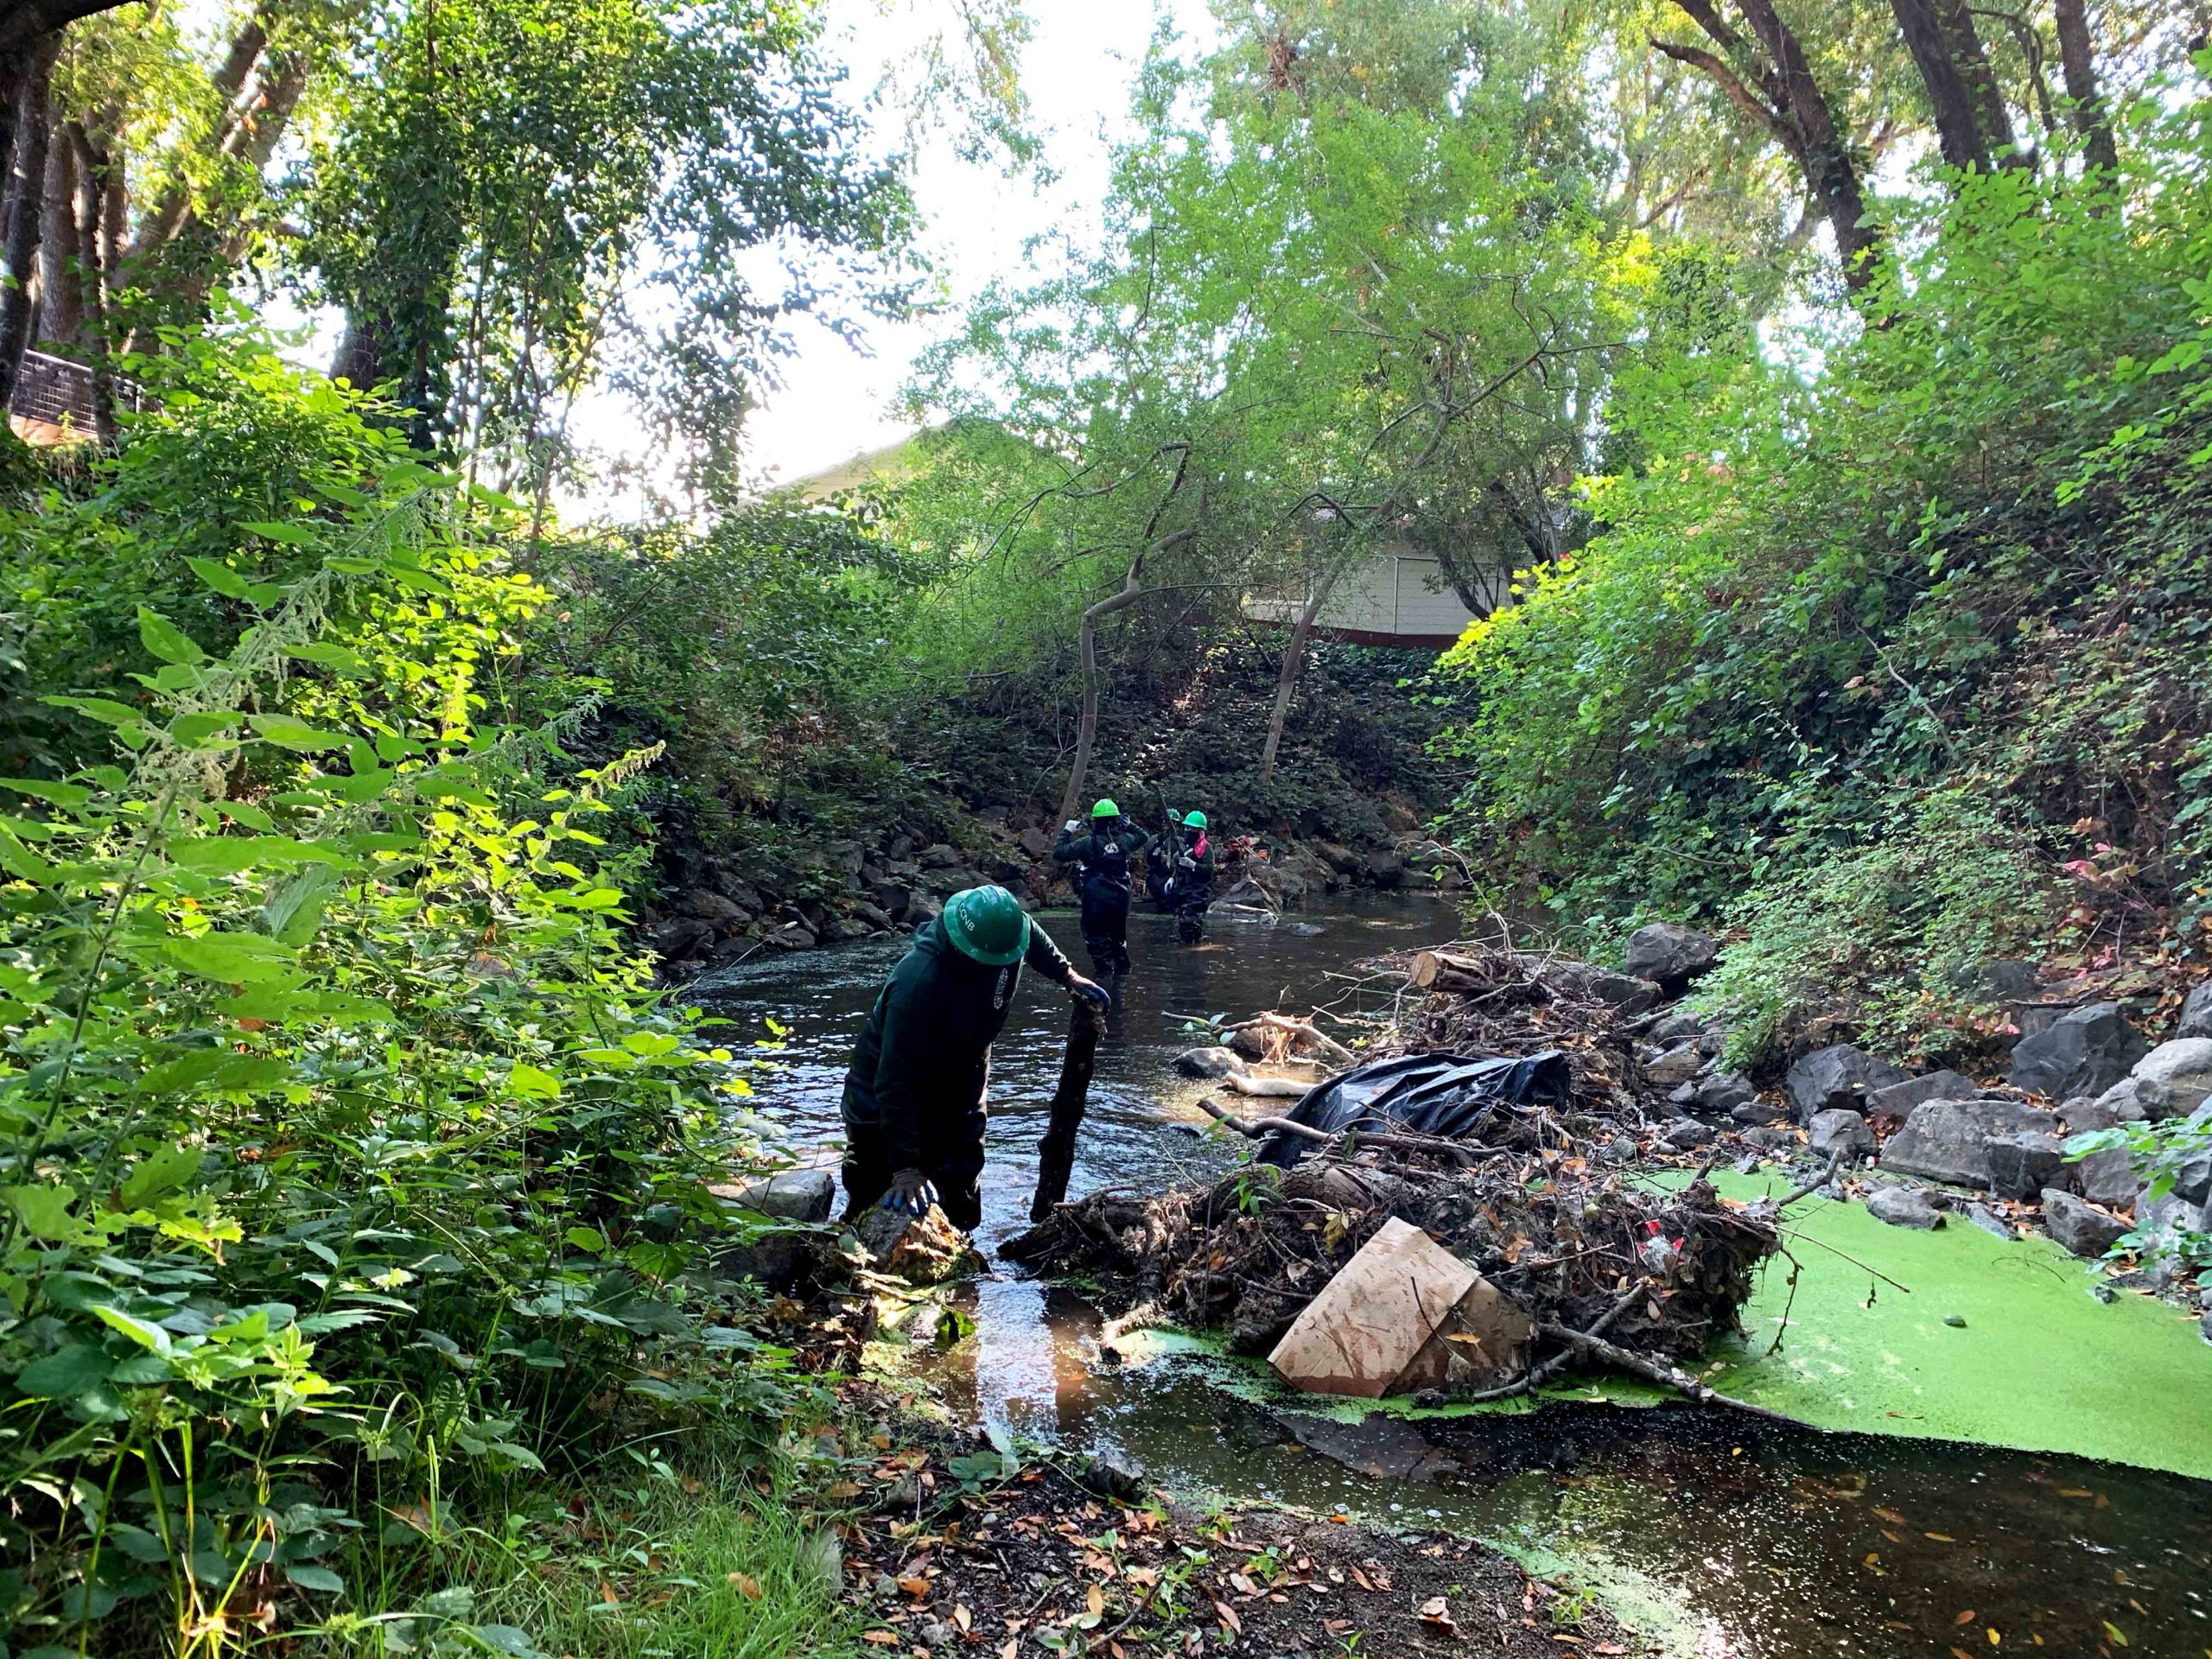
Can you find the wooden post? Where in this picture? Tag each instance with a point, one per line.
(1056, 1152)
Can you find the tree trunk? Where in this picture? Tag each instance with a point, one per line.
(1131, 590)
(60, 306)
(1293, 660)
(21, 212)
(1958, 132)
(2078, 62)
(99, 217)
(1983, 93)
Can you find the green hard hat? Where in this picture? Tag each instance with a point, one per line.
(1105, 809)
(988, 924)
(1194, 820)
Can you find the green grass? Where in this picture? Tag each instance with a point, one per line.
(722, 1572)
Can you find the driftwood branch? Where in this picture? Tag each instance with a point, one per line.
(1659, 1372)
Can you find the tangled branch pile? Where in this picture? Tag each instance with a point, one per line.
(1248, 1253)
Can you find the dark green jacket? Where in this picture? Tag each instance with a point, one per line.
(1194, 885)
(925, 1054)
(1103, 863)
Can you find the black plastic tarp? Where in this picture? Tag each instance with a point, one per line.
(1449, 1094)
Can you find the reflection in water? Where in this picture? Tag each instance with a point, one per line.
(1734, 1538)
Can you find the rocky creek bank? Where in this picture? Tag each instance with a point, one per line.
(779, 897)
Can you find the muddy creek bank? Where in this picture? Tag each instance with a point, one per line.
(1720, 1541)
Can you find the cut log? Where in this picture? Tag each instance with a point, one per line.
(1056, 1152)
(1440, 970)
(1266, 1088)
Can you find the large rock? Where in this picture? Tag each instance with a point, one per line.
(1385, 867)
(711, 907)
(940, 856)
(1838, 1129)
(1669, 953)
(1724, 1093)
(1677, 1066)
(1903, 1206)
(1996, 979)
(682, 936)
(2021, 1166)
(1035, 842)
(2193, 1180)
(795, 1195)
(2080, 1227)
(1898, 1099)
(1210, 1060)
(2197, 1012)
(891, 897)
(2174, 1078)
(1680, 1026)
(1840, 1076)
(1687, 1135)
(2083, 1053)
(2103, 1177)
(1949, 1140)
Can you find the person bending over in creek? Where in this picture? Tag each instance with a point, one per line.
(913, 1105)
(1193, 878)
(1103, 885)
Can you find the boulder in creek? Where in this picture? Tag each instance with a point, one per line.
(1677, 1065)
(682, 936)
(1342, 860)
(1725, 1093)
(2174, 1078)
(845, 930)
(802, 1195)
(2021, 1166)
(921, 1249)
(1770, 1140)
(710, 906)
(1898, 1099)
(1210, 1060)
(1670, 953)
(1949, 1140)
(1840, 1129)
(878, 918)
(2197, 1012)
(1680, 1026)
(1687, 1135)
(1385, 867)
(1903, 1206)
(940, 856)
(892, 898)
(2193, 1180)
(1035, 842)
(2081, 1052)
(1839, 1076)
(2080, 1226)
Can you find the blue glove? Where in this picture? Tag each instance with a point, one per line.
(1090, 991)
(912, 1193)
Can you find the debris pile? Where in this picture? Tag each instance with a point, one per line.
(1660, 1273)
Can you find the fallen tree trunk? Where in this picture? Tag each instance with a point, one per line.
(1056, 1152)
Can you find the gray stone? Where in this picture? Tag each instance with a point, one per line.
(1840, 1076)
(1035, 842)
(2021, 1166)
(1687, 1133)
(1769, 1140)
(2174, 1078)
(1899, 1099)
(2079, 1226)
(2083, 1053)
(1682, 1095)
(1838, 1130)
(682, 936)
(1680, 1026)
(794, 1195)
(1677, 1066)
(1210, 1060)
(1759, 1111)
(891, 897)
(1903, 1206)
(2204, 1325)
(2197, 1012)
(844, 929)
(846, 857)
(710, 906)
(878, 918)
(1996, 979)
(1728, 1091)
(2103, 1177)
(923, 907)
(1669, 953)
(1385, 868)
(1949, 1140)
(941, 855)
(1990, 1221)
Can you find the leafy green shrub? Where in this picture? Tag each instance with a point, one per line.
(352, 1178)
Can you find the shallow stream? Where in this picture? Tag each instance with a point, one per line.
(1720, 1536)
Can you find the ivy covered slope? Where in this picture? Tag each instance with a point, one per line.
(1890, 650)
(353, 1190)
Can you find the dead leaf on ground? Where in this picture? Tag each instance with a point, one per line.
(1437, 1616)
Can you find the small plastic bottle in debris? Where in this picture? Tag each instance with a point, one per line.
(1658, 1252)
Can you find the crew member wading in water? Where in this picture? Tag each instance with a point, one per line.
(1103, 887)
(913, 1107)
(1190, 886)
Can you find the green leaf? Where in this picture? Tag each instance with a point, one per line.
(224, 580)
(232, 958)
(191, 731)
(294, 911)
(44, 1211)
(146, 1335)
(228, 854)
(316, 1578)
(590, 1240)
(270, 530)
(339, 659)
(71, 796)
(290, 734)
(527, 1082)
(165, 640)
(106, 710)
(65, 1373)
(164, 1170)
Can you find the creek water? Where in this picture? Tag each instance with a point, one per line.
(1717, 1535)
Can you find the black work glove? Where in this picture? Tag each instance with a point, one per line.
(1090, 990)
(912, 1193)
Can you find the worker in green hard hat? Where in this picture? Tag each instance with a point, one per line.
(1104, 887)
(913, 1105)
(1192, 891)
